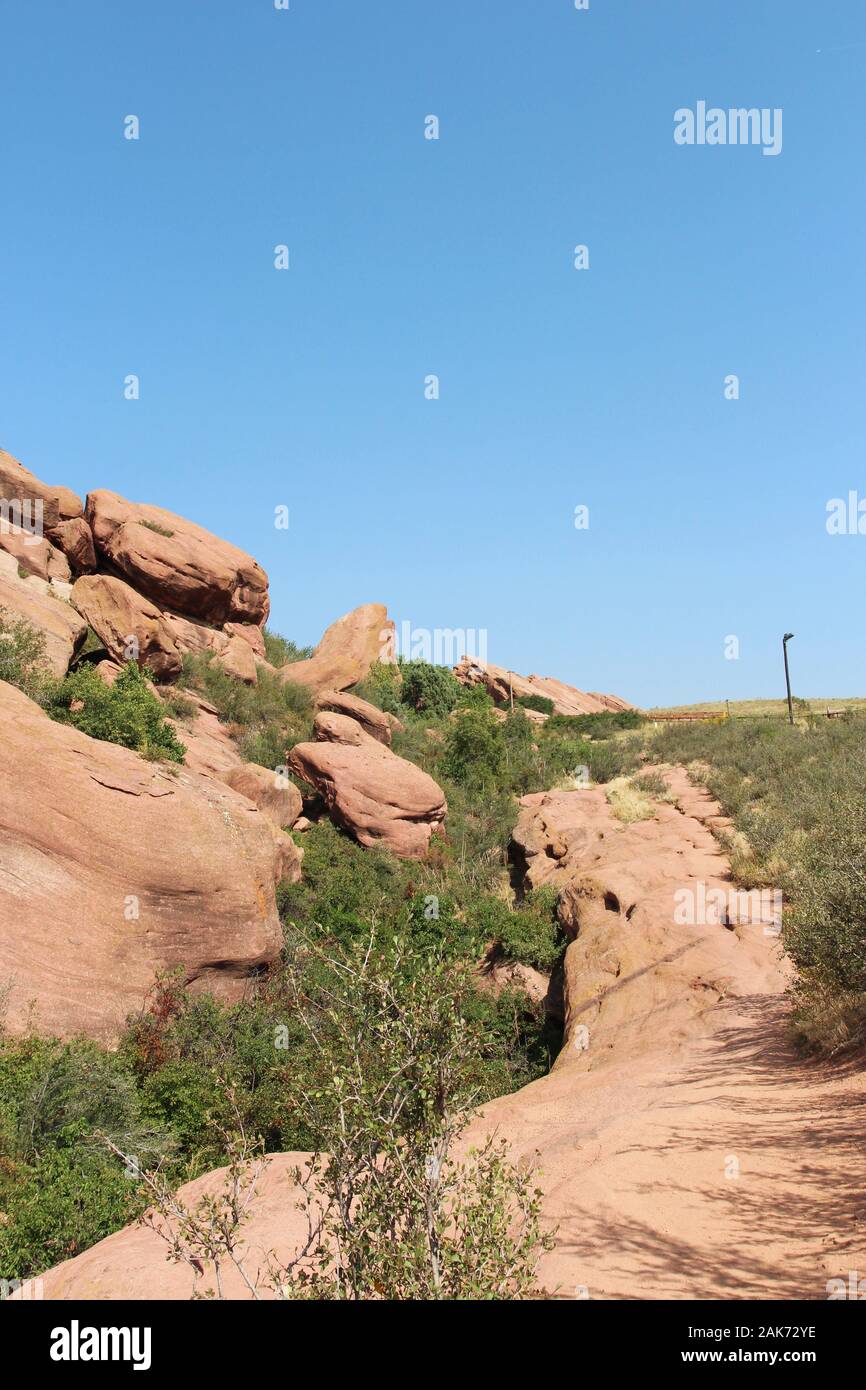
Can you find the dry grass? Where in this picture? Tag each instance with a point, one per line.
(627, 802)
(757, 709)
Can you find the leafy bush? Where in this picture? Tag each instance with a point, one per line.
(540, 703)
(397, 1079)
(59, 1190)
(598, 725)
(475, 749)
(127, 712)
(528, 933)
(382, 687)
(22, 656)
(435, 690)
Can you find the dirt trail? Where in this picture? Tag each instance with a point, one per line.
(687, 1151)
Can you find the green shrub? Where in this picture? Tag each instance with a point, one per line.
(540, 703)
(598, 725)
(528, 933)
(475, 749)
(382, 687)
(238, 703)
(22, 656)
(126, 712)
(435, 690)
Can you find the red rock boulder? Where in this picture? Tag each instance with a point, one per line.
(370, 792)
(176, 563)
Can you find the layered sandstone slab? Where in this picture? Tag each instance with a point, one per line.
(19, 486)
(500, 683)
(374, 721)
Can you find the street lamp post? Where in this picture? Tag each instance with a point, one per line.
(785, 640)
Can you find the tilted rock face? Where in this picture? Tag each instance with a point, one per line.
(567, 700)
(348, 650)
(211, 750)
(379, 798)
(116, 613)
(18, 484)
(37, 603)
(178, 564)
(113, 868)
(373, 720)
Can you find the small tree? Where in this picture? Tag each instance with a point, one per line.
(392, 1211)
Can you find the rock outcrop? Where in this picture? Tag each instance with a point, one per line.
(273, 793)
(376, 722)
(379, 798)
(151, 575)
(22, 490)
(177, 564)
(500, 683)
(347, 652)
(113, 868)
(36, 555)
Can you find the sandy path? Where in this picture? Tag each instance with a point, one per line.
(687, 1151)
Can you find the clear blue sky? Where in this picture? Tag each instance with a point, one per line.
(558, 388)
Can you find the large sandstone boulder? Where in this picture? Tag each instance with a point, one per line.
(113, 868)
(18, 486)
(178, 564)
(373, 720)
(38, 603)
(379, 798)
(117, 613)
(501, 683)
(348, 650)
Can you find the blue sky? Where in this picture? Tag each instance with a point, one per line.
(558, 387)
